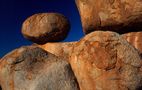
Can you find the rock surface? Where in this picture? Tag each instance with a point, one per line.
(31, 68)
(135, 39)
(59, 49)
(106, 61)
(46, 27)
(116, 15)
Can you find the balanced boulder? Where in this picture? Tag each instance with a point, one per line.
(46, 27)
(115, 15)
(106, 61)
(31, 68)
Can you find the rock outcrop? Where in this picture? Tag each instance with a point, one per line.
(135, 39)
(102, 60)
(105, 61)
(46, 27)
(31, 68)
(116, 15)
(61, 49)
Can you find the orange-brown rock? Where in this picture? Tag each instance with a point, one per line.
(135, 39)
(116, 15)
(32, 68)
(106, 61)
(61, 49)
(46, 27)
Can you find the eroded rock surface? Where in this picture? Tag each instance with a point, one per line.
(135, 39)
(116, 15)
(31, 68)
(46, 27)
(61, 49)
(106, 61)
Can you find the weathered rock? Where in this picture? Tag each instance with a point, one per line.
(59, 49)
(31, 68)
(46, 27)
(116, 15)
(135, 39)
(106, 61)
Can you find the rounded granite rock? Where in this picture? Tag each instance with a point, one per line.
(121, 16)
(106, 61)
(32, 68)
(46, 27)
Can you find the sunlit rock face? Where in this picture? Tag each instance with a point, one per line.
(46, 27)
(135, 39)
(106, 61)
(116, 15)
(32, 68)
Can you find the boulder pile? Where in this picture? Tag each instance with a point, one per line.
(108, 57)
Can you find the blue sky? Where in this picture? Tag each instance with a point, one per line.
(14, 12)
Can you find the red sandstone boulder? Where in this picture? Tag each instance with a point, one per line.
(106, 61)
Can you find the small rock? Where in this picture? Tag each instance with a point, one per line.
(106, 61)
(121, 16)
(46, 27)
(31, 68)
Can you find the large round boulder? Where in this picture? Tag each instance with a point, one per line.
(32, 68)
(121, 16)
(106, 61)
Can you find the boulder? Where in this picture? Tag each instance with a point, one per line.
(32, 68)
(106, 61)
(135, 39)
(115, 15)
(61, 49)
(46, 27)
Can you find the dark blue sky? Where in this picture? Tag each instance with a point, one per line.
(14, 12)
